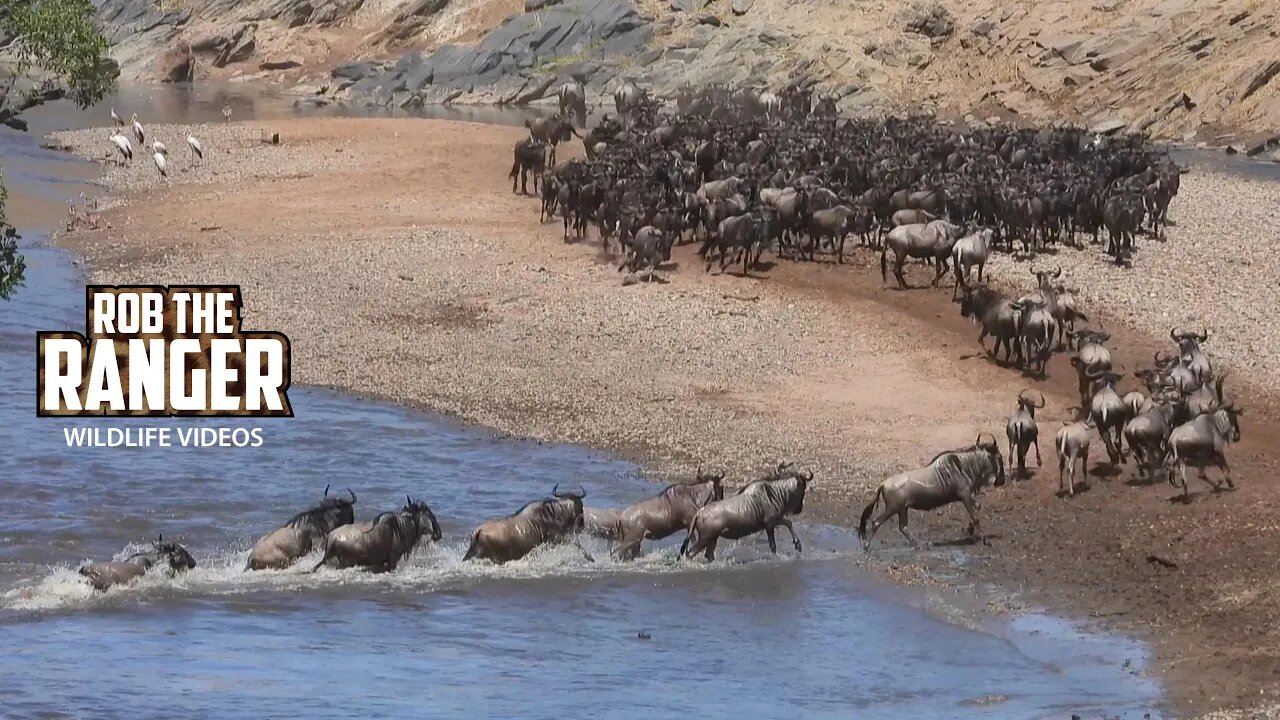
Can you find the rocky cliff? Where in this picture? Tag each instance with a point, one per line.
(1182, 69)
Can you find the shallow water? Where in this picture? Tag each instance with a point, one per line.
(552, 635)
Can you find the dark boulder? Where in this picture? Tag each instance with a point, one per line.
(928, 18)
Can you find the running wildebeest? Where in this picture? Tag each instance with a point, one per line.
(552, 520)
(1072, 444)
(951, 476)
(1202, 442)
(170, 555)
(664, 514)
(284, 546)
(762, 505)
(999, 320)
(379, 545)
(932, 241)
(1023, 433)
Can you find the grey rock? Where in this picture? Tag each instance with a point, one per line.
(709, 19)
(1109, 126)
(531, 5)
(686, 6)
(742, 7)
(241, 47)
(280, 65)
(299, 15)
(982, 28)
(1258, 78)
(928, 18)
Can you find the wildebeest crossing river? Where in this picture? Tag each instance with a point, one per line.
(548, 635)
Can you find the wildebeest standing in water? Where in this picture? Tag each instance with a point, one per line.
(664, 514)
(286, 545)
(380, 544)
(951, 476)
(762, 505)
(172, 556)
(543, 521)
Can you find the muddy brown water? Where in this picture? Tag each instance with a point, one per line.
(552, 635)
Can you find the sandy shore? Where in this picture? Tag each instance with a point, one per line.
(394, 255)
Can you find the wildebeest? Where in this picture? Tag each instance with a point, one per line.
(1023, 433)
(762, 505)
(573, 101)
(551, 131)
(601, 522)
(968, 251)
(1109, 413)
(664, 514)
(628, 98)
(648, 249)
(951, 476)
(1072, 444)
(553, 520)
(933, 241)
(284, 546)
(999, 319)
(379, 545)
(1202, 442)
(171, 556)
(1148, 435)
(529, 158)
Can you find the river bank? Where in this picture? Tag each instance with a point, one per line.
(400, 265)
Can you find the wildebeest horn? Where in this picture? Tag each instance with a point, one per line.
(1057, 271)
(326, 491)
(353, 496)
(1204, 334)
(809, 478)
(408, 500)
(568, 495)
(1042, 403)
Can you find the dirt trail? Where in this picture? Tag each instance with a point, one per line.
(394, 255)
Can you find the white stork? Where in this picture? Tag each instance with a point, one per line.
(137, 130)
(160, 148)
(161, 165)
(116, 118)
(124, 146)
(194, 144)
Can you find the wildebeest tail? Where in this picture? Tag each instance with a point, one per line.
(473, 547)
(688, 538)
(884, 263)
(866, 512)
(515, 169)
(324, 555)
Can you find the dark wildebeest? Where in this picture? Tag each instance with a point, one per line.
(380, 544)
(762, 505)
(284, 546)
(170, 555)
(552, 520)
(1023, 433)
(951, 476)
(649, 249)
(1202, 442)
(573, 101)
(999, 320)
(551, 131)
(664, 514)
(601, 522)
(628, 98)
(529, 157)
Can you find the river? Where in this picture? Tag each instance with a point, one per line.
(549, 636)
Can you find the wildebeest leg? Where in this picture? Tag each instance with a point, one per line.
(773, 543)
(711, 549)
(1226, 470)
(902, 528)
(897, 271)
(578, 544)
(975, 527)
(1039, 462)
(795, 540)
(1064, 465)
(942, 270)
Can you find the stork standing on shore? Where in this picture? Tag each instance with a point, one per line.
(138, 131)
(124, 147)
(160, 148)
(116, 118)
(161, 163)
(226, 113)
(194, 144)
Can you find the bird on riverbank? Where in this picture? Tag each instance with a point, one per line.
(226, 113)
(118, 120)
(160, 148)
(194, 144)
(161, 164)
(137, 130)
(123, 146)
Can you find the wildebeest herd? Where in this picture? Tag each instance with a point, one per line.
(746, 172)
(699, 507)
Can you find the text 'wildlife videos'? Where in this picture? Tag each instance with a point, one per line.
(163, 437)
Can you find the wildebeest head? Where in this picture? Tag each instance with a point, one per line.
(1028, 404)
(717, 487)
(1233, 414)
(575, 498)
(173, 553)
(1188, 341)
(786, 470)
(422, 515)
(993, 455)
